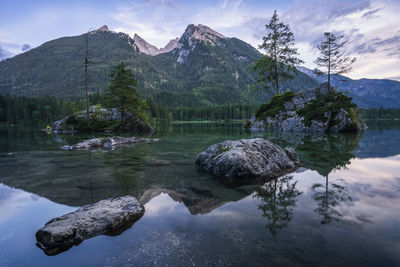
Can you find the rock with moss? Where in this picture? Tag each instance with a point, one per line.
(101, 120)
(246, 160)
(322, 109)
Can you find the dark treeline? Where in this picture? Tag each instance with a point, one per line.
(229, 112)
(21, 109)
(380, 113)
(223, 112)
(45, 110)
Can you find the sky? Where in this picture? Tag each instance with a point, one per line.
(371, 27)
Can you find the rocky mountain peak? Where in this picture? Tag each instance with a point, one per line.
(192, 36)
(152, 50)
(171, 45)
(207, 30)
(103, 28)
(202, 33)
(144, 46)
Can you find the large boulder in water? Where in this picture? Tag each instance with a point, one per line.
(321, 109)
(241, 161)
(108, 217)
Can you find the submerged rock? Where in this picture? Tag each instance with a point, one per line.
(108, 217)
(243, 160)
(109, 142)
(321, 109)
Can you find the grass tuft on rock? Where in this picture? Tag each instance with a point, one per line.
(276, 104)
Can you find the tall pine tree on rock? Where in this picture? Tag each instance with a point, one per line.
(332, 57)
(122, 93)
(280, 59)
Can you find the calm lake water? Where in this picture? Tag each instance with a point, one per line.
(341, 208)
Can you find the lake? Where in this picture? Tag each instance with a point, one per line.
(341, 207)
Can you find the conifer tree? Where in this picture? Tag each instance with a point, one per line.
(280, 59)
(122, 93)
(332, 57)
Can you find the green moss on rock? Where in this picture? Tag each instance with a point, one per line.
(276, 104)
(324, 103)
(94, 125)
(321, 109)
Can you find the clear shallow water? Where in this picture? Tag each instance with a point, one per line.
(340, 208)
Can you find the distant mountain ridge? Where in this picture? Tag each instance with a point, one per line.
(201, 68)
(366, 93)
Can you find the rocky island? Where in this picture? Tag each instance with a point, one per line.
(101, 120)
(322, 109)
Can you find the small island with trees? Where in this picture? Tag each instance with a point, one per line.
(322, 109)
(123, 111)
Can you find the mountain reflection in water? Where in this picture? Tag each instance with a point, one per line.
(76, 178)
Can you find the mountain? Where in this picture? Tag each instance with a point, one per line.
(148, 49)
(201, 68)
(366, 93)
(144, 46)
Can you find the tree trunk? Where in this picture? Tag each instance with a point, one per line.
(276, 78)
(122, 111)
(326, 197)
(329, 65)
(86, 77)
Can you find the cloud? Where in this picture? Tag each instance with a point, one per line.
(364, 49)
(391, 46)
(373, 40)
(397, 78)
(4, 53)
(25, 47)
(227, 14)
(7, 47)
(326, 16)
(156, 21)
(370, 14)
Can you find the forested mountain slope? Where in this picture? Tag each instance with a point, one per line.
(205, 68)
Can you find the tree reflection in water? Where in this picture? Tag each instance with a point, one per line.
(329, 196)
(278, 198)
